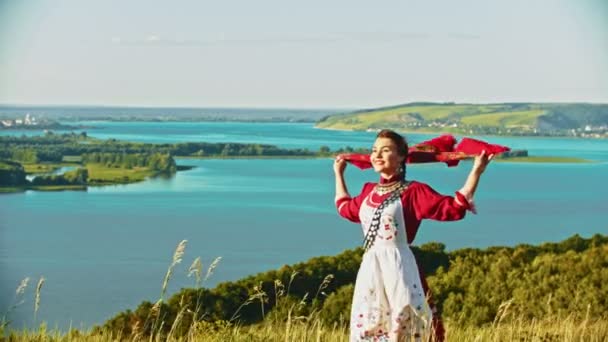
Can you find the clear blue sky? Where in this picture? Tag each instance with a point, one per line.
(315, 54)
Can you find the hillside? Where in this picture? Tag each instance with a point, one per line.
(548, 292)
(587, 120)
(470, 286)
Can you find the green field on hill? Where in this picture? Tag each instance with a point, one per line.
(501, 119)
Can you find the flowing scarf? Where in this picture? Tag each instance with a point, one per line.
(440, 149)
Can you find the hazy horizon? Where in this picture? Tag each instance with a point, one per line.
(274, 54)
(60, 105)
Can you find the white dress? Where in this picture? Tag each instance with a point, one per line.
(388, 302)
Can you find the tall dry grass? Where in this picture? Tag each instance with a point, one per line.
(289, 325)
(549, 329)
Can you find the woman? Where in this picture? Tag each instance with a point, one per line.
(390, 298)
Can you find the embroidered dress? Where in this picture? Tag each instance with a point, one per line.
(390, 297)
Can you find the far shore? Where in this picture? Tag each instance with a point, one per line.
(101, 176)
(459, 133)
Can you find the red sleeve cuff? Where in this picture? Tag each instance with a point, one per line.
(462, 201)
(341, 200)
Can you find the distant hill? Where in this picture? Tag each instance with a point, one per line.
(577, 119)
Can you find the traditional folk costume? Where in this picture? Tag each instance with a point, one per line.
(391, 300)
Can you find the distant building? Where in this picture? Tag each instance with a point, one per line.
(30, 119)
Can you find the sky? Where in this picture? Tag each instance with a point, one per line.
(302, 54)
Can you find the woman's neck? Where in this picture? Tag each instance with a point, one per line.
(388, 177)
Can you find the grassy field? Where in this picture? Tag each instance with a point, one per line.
(4, 166)
(100, 174)
(44, 167)
(285, 324)
(399, 117)
(507, 119)
(311, 328)
(11, 189)
(72, 159)
(365, 119)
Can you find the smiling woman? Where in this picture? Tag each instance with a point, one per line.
(116, 57)
(391, 298)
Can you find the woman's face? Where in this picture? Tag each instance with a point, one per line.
(385, 157)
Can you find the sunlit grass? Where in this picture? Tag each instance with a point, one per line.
(464, 114)
(101, 174)
(44, 167)
(287, 323)
(314, 329)
(520, 118)
(10, 189)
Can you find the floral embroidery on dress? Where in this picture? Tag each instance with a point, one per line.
(406, 324)
(369, 321)
(390, 228)
(388, 300)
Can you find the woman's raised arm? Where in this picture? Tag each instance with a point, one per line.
(479, 166)
(339, 166)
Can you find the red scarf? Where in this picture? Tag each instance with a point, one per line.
(440, 149)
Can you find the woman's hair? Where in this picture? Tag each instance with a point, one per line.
(399, 141)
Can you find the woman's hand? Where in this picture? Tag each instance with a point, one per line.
(339, 165)
(479, 166)
(481, 161)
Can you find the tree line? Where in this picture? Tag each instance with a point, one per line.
(51, 148)
(471, 287)
(163, 163)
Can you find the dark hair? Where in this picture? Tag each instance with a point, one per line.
(399, 141)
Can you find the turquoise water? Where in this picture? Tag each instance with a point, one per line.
(107, 249)
(304, 135)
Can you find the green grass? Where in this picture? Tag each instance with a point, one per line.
(292, 321)
(311, 328)
(11, 189)
(72, 159)
(100, 174)
(464, 114)
(40, 167)
(5, 166)
(15, 189)
(44, 167)
(428, 113)
(507, 119)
